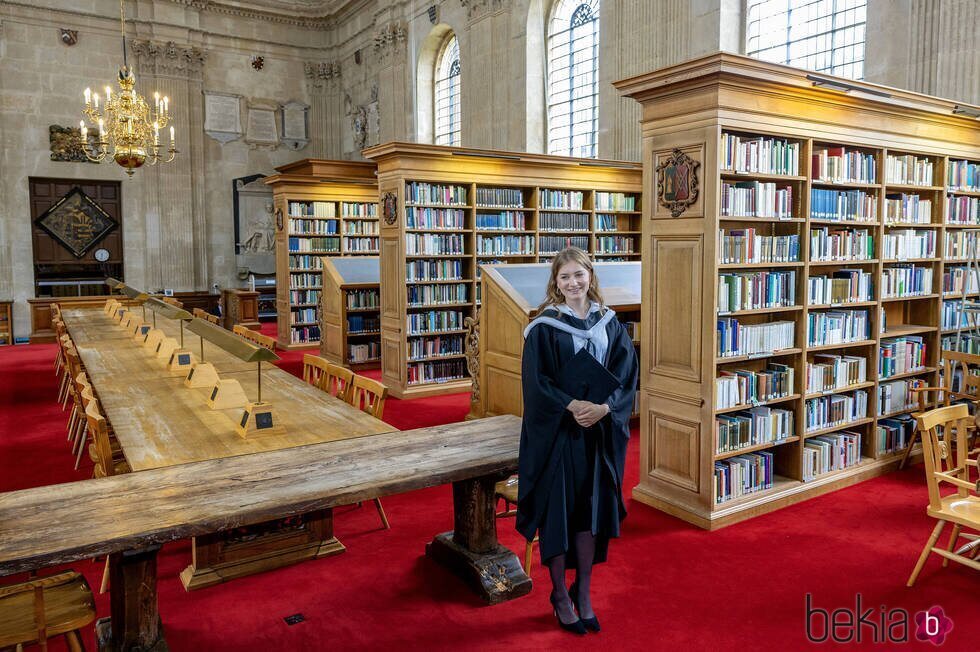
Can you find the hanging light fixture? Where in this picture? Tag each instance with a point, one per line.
(128, 130)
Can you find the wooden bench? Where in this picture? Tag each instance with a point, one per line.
(80, 520)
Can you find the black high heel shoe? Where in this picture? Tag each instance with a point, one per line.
(576, 628)
(591, 624)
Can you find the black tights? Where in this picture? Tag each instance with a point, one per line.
(584, 556)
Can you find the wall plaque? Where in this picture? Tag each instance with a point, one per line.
(222, 116)
(260, 125)
(294, 119)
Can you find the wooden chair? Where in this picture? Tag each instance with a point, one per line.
(506, 490)
(106, 462)
(240, 330)
(205, 315)
(929, 397)
(368, 396)
(172, 301)
(314, 368)
(948, 466)
(42, 608)
(263, 340)
(339, 381)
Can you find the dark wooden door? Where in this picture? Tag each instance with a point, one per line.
(57, 271)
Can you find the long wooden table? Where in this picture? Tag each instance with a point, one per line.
(64, 523)
(161, 423)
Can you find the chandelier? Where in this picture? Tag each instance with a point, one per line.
(128, 130)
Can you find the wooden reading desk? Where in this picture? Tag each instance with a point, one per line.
(161, 423)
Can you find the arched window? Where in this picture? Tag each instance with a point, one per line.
(447, 94)
(573, 78)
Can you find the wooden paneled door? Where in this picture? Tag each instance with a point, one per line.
(57, 271)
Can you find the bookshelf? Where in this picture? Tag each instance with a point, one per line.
(512, 294)
(351, 312)
(6, 323)
(323, 209)
(798, 295)
(452, 210)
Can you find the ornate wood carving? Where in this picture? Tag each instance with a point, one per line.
(677, 182)
(389, 207)
(472, 325)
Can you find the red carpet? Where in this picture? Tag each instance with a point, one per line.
(667, 586)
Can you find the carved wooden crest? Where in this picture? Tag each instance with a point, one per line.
(389, 207)
(677, 182)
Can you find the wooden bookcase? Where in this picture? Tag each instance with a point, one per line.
(6, 323)
(450, 210)
(512, 294)
(323, 208)
(351, 312)
(695, 110)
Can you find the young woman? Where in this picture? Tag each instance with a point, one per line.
(573, 451)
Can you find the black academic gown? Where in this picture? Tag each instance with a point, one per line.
(550, 470)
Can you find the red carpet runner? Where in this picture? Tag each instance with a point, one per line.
(667, 586)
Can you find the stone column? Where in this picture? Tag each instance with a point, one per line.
(173, 201)
(394, 94)
(326, 108)
(486, 52)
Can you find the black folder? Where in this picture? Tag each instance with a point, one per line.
(584, 378)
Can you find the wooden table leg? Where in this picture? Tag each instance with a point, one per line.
(472, 551)
(135, 622)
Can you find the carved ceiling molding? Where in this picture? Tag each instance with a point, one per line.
(169, 59)
(324, 21)
(322, 74)
(476, 9)
(390, 42)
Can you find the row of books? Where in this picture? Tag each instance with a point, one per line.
(320, 209)
(572, 199)
(305, 261)
(843, 205)
(908, 243)
(331, 245)
(303, 316)
(420, 295)
(893, 434)
(615, 244)
(563, 222)
(361, 227)
(605, 222)
(363, 299)
(314, 227)
(552, 244)
(756, 290)
(304, 281)
(897, 395)
(614, 201)
(901, 355)
(828, 453)
(962, 210)
(965, 343)
(736, 339)
(758, 425)
(511, 197)
(361, 245)
(434, 321)
(759, 155)
(358, 324)
(749, 246)
(834, 410)
(756, 199)
(829, 372)
(907, 209)
(906, 281)
(827, 244)
(435, 372)
(433, 270)
(743, 386)
(420, 192)
(956, 279)
(954, 316)
(963, 175)
(499, 245)
(502, 221)
(908, 170)
(421, 244)
(359, 209)
(417, 217)
(304, 334)
(837, 327)
(840, 165)
(962, 245)
(363, 352)
(843, 286)
(428, 347)
(742, 475)
(301, 297)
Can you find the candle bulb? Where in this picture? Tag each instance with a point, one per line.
(96, 97)
(88, 97)
(156, 102)
(166, 104)
(84, 132)
(101, 131)
(171, 136)
(156, 134)
(108, 95)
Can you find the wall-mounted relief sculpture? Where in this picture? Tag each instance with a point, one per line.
(66, 144)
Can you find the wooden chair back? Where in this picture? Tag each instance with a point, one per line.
(240, 330)
(172, 301)
(969, 384)
(99, 429)
(946, 464)
(314, 367)
(337, 381)
(207, 316)
(368, 395)
(41, 608)
(254, 337)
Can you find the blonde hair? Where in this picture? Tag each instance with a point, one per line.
(552, 295)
